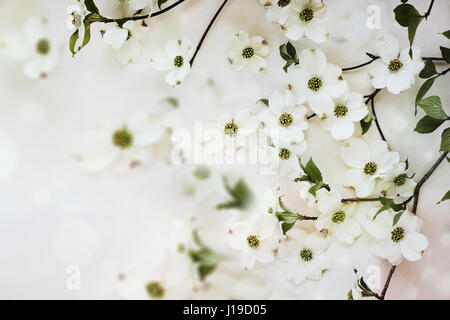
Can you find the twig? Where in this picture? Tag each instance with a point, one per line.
(311, 116)
(429, 9)
(206, 32)
(359, 199)
(371, 98)
(388, 281)
(362, 64)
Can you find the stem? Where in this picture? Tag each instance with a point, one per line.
(311, 116)
(433, 58)
(362, 64)
(429, 9)
(206, 32)
(359, 199)
(135, 18)
(371, 98)
(386, 285)
(307, 218)
(445, 71)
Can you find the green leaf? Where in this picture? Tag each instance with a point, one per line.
(428, 124)
(429, 70)
(433, 107)
(366, 122)
(287, 219)
(424, 89)
(447, 34)
(313, 172)
(289, 54)
(445, 140)
(315, 187)
(445, 197)
(265, 101)
(396, 218)
(72, 42)
(91, 7)
(405, 13)
(161, 2)
(240, 193)
(388, 204)
(206, 258)
(412, 28)
(445, 54)
(172, 101)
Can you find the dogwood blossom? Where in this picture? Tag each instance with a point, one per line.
(347, 110)
(284, 119)
(75, 21)
(283, 158)
(255, 237)
(395, 71)
(305, 254)
(369, 163)
(337, 218)
(306, 18)
(34, 46)
(175, 61)
(248, 51)
(277, 11)
(317, 82)
(125, 40)
(397, 183)
(404, 241)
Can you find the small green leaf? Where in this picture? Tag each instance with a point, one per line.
(447, 34)
(287, 219)
(265, 101)
(445, 54)
(412, 28)
(173, 102)
(72, 43)
(445, 197)
(206, 258)
(396, 218)
(429, 70)
(428, 124)
(433, 107)
(424, 89)
(91, 7)
(388, 204)
(289, 54)
(366, 122)
(445, 140)
(405, 13)
(313, 172)
(240, 193)
(161, 2)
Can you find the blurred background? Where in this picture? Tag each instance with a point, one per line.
(54, 215)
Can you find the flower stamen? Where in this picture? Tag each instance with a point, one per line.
(178, 61)
(155, 290)
(284, 154)
(43, 46)
(395, 65)
(231, 129)
(306, 255)
(400, 179)
(253, 241)
(340, 111)
(122, 138)
(338, 217)
(315, 84)
(306, 15)
(247, 53)
(286, 119)
(397, 234)
(370, 168)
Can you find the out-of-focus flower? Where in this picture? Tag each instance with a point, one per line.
(317, 82)
(282, 158)
(255, 238)
(404, 241)
(305, 254)
(248, 51)
(336, 218)
(34, 46)
(126, 40)
(368, 163)
(284, 119)
(347, 110)
(175, 61)
(305, 18)
(397, 183)
(395, 71)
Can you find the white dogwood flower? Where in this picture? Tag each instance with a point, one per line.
(269, 201)
(75, 20)
(347, 110)
(175, 61)
(282, 158)
(397, 183)
(34, 46)
(305, 254)
(337, 218)
(248, 51)
(369, 163)
(395, 70)
(278, 11)
(404, 241)
(256, 238)
(126, 40)
(378, 228)
(306, 18)
(284, 119)
(317, 82)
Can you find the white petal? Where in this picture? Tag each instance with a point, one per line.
(129, 52)
(257, 63)
(347, 231)
(388, 250)
(115, 37)
(260, 46)
(362, 183)
(387, 47)
(161, 62)
(313, 60)
(413, 245)
(355, 153)
(317, 31)
(146, 131)
(177, 75)
(342, 129)
(321, 104)
(379, 73)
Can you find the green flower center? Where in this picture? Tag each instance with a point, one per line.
(306, 15)
(400, 179)
(231, 129)
(370, 168)
(286, 119)
(306, 255)
(202, 173)
(338, 217)
(178, 61)
(43, 46)
(284, 154)
(283, 3)
(395, 65)
(247, 53)
(350, 295)
(340, 111)
(253, 241)
(315, 84)
(397, 234)
(155, 290)
(181, 247)
(122, 138)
